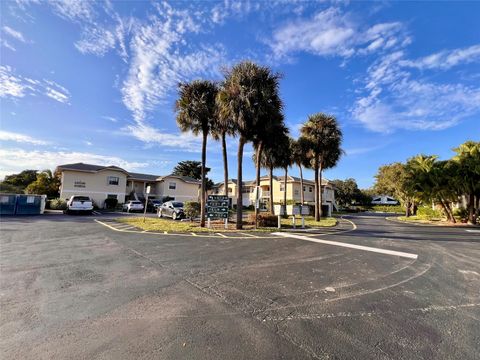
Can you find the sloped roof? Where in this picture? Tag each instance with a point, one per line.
(89, 167)
(143, 177)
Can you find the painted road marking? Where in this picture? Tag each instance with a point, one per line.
(250, 235)
(221, 235)
(351, 246)
(474, 231)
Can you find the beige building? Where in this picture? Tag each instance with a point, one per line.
(293, 190)
(101, 182)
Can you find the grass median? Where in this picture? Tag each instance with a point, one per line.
(162, 225)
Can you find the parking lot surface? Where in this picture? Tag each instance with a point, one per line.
(74, 288)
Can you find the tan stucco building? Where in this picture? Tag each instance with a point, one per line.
(100, 182)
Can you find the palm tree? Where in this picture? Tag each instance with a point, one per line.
(196, 111)
(300, 149)
(248, 97)
(285, 160)
(325, 137)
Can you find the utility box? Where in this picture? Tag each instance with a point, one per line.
(8, 204)
(29, 204)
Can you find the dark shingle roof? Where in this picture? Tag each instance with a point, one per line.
(89, 167)
(143, 177)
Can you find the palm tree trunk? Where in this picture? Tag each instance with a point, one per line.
(225, 163)
(302, 195)
(315, 170)
(272, 211)
(285, 193)
(320, 195)
(241, 143)
(204, 182)
(471, 208)
(257, 178)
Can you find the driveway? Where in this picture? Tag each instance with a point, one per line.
(73, 288)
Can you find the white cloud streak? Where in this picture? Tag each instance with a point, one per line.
(446, 59)
(20, 138)
(17, 35)
(17, 86)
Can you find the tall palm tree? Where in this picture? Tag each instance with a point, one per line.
(196, 110)
(248, 97)
(300, 149)
(325, 138)
(285, 160)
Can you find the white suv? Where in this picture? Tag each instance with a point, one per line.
(132, 205)
(79, 203)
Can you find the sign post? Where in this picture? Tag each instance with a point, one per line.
(147, 192)
(217, 208)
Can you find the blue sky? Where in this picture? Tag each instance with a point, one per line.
(96, 81)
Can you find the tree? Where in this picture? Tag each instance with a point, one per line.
(196, 112)
(189, 168)
(284, 161)
(324, 137)
(248, 97)
(300, 158)
(347, 192)
(46, 183)
(17, 183)
(467, 159)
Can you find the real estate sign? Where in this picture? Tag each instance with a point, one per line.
(217, 206)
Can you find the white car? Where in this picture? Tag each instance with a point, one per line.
(79, 204)
(132, 205)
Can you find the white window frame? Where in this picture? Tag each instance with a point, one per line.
(170, 183)
(110, 178)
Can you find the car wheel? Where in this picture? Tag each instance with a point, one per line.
(174, 216)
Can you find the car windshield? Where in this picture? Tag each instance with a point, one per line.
(136, 202)
(81, 198)
(156, 201)
(177, 204)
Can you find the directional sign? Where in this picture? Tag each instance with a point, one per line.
(217, 206)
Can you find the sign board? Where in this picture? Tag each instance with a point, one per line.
(305, 210)
(217, 206)
(279, 209)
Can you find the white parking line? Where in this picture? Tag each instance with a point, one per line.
(221, 235)
(247, 234)
(474, 231)
(352, 246)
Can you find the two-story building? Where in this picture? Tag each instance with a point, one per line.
(101, 182)
(293, 189)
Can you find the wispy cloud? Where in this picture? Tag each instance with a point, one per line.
(73, 10)
(17, 35)
(13, 85)
(110, 118)
(16, 159)
(446, 59)
(20, 138)
(333, 33)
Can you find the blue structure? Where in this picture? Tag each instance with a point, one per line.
(11, 204)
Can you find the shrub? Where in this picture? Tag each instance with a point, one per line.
(191, 209)
(389, 208)
(58, 204)
(427, 212)
(462, 213)
(111, 203)
(264, 220)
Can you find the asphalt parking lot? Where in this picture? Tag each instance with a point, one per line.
(73, 288)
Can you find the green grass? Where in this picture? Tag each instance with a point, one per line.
(420, 219)
(156, 224)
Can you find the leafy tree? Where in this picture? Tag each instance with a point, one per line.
(46, 183)
(347, 192)
(10, 189)
(467, 159)
(325, 137)
(247, 99)
(189, 168)
(17, 183)
(196, 112)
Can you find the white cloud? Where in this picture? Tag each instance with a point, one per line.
(332, 33)
(20, 138)
(73, 9)
(446, 59)
(110, 118)
(7, 45)
(96, 41)
(392, 99)
(150, 135)
(17, 35)
(15, 159)
(17, 86)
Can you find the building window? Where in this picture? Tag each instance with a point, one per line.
(304, 189)
(282, 187)
(230, 190)
(79, 184)
(296, 192)
(310, 189)
(111, 196)
(113, 180)
(172, 185)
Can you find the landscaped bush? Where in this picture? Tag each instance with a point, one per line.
(426, 212)
(389, 208)
(191, 209)
(58, 204)
(461, 213)
(110, 203)
(264, 220)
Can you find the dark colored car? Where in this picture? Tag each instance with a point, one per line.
(173, 209)
(153, 205)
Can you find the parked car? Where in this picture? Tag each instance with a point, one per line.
(133, 205)
(173, 209)
(79, 204)
(153, 205)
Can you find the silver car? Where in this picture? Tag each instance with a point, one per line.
(173, 209)
(132, 205)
